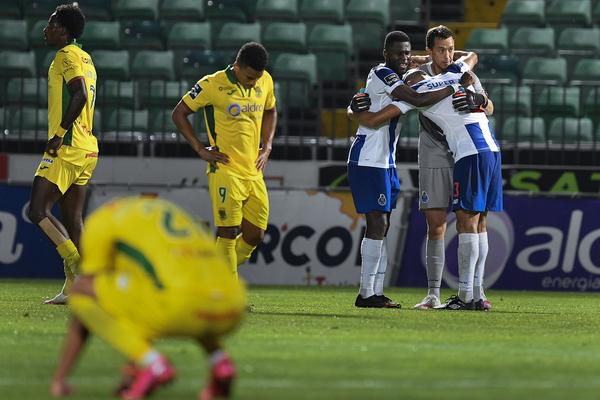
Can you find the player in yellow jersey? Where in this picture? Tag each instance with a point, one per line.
(72, 150)
(240, 115)
(148, 270)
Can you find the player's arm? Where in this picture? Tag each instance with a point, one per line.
(180, 115)
(78, 92)
(468, 57)
(269, 122)
(75, 340)
(376, 119)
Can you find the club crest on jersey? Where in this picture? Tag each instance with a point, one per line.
(391, 79)
(258, 91)
(222, 213)
(424, 197)
(382, 200)
(195, 91)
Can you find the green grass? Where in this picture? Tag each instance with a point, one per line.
(311, 343)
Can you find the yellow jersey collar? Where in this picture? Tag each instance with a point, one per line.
(230, 74)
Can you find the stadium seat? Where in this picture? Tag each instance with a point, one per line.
(369, 19)
(511, 100)
(31, 122)
(114, 93)
(314, 11)
(36, 33)
(195, 64)
(17, 63)
(43, 59)
(488, 40)
(591, 103)
(277, 10)
(13, 34)
(32, 91)
(111, 64)
(523, 129)
(406, 12)
(11, 9)
(586, 40)
(161, 122)
(295, 75)
(231, 10)
(161, 94)
(596, 13)
(524, 13)
(533, 41)
(101, 35)
(137, 35)
(540, 70)
(285, 36)
(136, 9)
(554, 101)
(234, 34)
(332, 44)
(498, 69)
(189, 35)
(571, 130)
(37, 9)
(571, 13)
(179, 10)
(123, 120)
(153, 65)
(586, 71)
(97, 10)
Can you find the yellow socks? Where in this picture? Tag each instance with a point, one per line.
(227, 247)
(70, 255)
(119, 333)
(243, 250)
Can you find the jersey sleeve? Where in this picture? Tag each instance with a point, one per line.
(389, 79)
(97, 243)
(458, 66)
(69, 64)
(199, 95)
(270, 101)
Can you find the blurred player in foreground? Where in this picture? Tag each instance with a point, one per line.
(149, 271)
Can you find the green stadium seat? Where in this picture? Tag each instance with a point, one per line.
(591, 103)
(11, 9)
(511, 100)
(596, 13)
(194, 64)
(101, 35)
(586, 71)
(524, 13)
(554, 101)
(585, 40)
(30, 122)
(533, 41)
(285, 36)
(332, 44)
(523, 129)
(36, 34)
(571, 130)
(44, 58)
(155, 94)
(3, 119)
(295, 76)
(498, 69)
(231, 10)
(370, 20)
(189, 35)
(322, 11)
(488, 40)
(277, 10)
(570, 13)
(161, 122)
(111, 64)
(136, 9)
(234, 34)
(179, 10)
(123, 120)
(141, 35)
(153, 65)
(37, 9)
(406, 12)
(114, 93)
(17, 63)
(13, 34)
(538, 70)
(31, 91)
(97, 10)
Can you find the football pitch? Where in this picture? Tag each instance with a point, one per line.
(311, 343)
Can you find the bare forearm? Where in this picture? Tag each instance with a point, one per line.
(406, 94)
(269, 123)
(468, 57)
(183, 124)
(489, 108)
(373, 120)
(74, 341)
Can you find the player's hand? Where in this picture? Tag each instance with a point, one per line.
(417, 61)
(60, 388)
(360, 102)
(468, 101)
(467, 79)
(263, 157)
(53, 145)
(212, 155)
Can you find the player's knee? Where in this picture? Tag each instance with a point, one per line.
(36, 214)
(436, 230)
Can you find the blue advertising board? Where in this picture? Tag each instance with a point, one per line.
(537, 243)
(24, 249)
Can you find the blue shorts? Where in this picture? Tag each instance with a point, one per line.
(478, 183)
(373, 189)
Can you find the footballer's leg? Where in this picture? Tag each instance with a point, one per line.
(221, 367)
(255, 213)
(250, 238)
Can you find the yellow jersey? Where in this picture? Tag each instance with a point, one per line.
(233, 116)
(69, 63)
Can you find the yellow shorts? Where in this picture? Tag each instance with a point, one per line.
(234, 199)
(71, 166)
(193, 312)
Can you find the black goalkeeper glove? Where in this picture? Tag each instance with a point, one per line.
(360, 102)
(466, 100)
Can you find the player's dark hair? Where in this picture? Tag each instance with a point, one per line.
(70, 17)
(393, 37)
(253, 55)
(440, 31)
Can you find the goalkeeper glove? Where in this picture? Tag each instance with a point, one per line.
(468, 101)
(360, 102)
